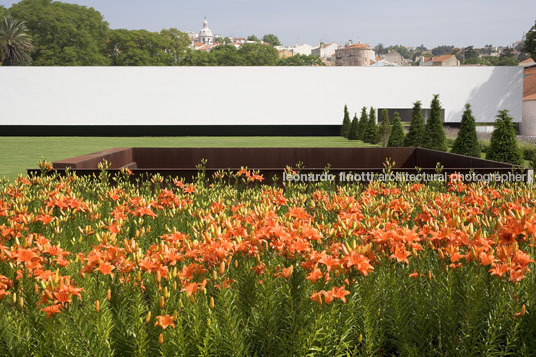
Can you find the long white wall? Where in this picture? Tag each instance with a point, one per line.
(245, 95)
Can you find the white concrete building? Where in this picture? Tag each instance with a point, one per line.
(303, 95)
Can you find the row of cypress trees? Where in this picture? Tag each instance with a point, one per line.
(363, 128)
(431, 134)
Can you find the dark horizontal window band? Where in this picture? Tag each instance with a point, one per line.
(169, 130)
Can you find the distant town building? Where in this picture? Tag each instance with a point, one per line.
(528, 62)
(393, 57)
(326, 52)
(528, 124)
(284, 52)
(359, 54)
(205, 35)
(441, 61)
(303, 49)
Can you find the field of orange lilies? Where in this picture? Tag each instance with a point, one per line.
(104, 266)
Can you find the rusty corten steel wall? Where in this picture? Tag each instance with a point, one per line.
(118, 157)
(272, 158)
(429, 158)
(182, 162)
(275, 158)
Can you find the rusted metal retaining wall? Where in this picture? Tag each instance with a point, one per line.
(182, 162)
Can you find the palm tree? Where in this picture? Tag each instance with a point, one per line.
(15, 43)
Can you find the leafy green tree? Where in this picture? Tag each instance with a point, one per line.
(258, 54)
(385, 128)
(227, 55)
(140, 48)
(434, 133)
(466, 142)
(415, 135)
(493, 61)
(177, 42)
(396, 139)
(353, 134)
(271, 39)
(227, 40)
(253, 38)
(198, 58)
(301, 60)
(15, 43)
(404, 52)
(442, 50)
(362, 126)
(530, 42)
(3, 12)
(346, 123)
(503, 145)
(372, 135)
(64, 34)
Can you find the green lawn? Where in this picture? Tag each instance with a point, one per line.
(20, 153)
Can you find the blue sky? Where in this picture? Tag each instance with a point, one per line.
(407, 22)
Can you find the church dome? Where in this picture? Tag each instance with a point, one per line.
(205, 35)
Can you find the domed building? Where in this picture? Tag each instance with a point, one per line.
(205, 35)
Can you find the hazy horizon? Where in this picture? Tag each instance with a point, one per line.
(410, 23)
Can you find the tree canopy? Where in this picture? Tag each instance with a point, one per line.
(144, 48)
(271, 39)
(64, 34)
(258, 54)
(301, 60)
(530, 42)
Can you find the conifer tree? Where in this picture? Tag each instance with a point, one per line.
(466, 142)
(352, 133)
(397, 133)
(345, 129)
(372, 135)
(434, 133)
(415, 135)
(362, 126)
(503, 145)
(385, 128)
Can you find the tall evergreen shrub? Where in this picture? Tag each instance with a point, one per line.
(362, 126)
(345, 129)
(352, 133)
(434, 133)
(415, 135)
(503, 145)
(372, 135)
(466, 142)
(385, 128)
(396, 139)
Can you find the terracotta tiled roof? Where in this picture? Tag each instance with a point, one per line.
(441, 58)
(360, 45)
(529, 84)
(527, 61)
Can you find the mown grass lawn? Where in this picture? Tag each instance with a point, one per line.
(20, 153)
